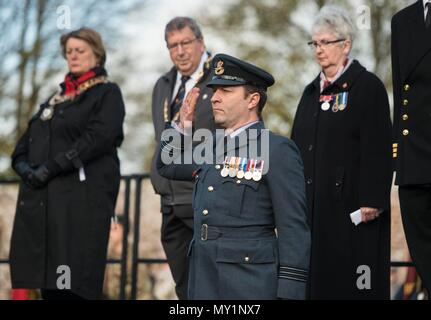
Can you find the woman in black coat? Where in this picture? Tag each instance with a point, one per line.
(342, 128)
(67, 160)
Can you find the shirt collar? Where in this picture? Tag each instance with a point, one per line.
(338, 75)
(242, 129)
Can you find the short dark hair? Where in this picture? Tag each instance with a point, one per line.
(179, 23)
(92, 37)
(250, 89)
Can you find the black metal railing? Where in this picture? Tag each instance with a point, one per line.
(136, 180)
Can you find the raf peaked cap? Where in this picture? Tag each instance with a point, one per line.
(230, 71)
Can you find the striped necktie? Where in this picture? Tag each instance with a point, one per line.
(178, 101)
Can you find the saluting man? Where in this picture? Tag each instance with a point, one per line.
(411, 69)
(191, 67)
(251, 238)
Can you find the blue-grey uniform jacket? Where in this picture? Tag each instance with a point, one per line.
(251, 238)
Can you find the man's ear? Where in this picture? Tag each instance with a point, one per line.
(254, 100)
(347, 47)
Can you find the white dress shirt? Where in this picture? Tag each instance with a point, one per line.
(241, 129)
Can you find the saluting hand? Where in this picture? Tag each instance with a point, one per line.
(369, 214)
(187, 111)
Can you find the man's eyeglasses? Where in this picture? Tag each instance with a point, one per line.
(186, 44)
(323, 44)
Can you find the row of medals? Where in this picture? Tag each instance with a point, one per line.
(337, 106)
(242, 168)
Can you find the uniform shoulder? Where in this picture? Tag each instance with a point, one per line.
(279, 142)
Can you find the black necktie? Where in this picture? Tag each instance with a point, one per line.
(178, 101)
(428, 17)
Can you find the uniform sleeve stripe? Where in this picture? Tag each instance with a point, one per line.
(289, 269)
(291, 278)
(294, 274)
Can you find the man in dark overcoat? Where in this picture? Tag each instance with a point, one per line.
(191, 68)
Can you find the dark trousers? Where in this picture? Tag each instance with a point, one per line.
(59, 295)
(415, 203)
(176, 234)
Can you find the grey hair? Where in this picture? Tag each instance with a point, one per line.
(179, 23)
(336, 20)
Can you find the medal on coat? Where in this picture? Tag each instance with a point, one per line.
(343, 103)
(242, 168)
(326, 102)
(335, 107)
(249, 173)
(232, 170)
(325, 106)
(225, 171)
(257, 174)
(47, 113)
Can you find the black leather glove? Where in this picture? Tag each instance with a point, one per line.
(25, 172)
(40, 176)
(44, 173)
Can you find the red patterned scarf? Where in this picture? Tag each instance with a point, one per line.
(71, 82)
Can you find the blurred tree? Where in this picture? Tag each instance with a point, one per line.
(30, 57)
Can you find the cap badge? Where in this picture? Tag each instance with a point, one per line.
(219, 70)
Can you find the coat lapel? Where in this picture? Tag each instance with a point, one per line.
(170, 79)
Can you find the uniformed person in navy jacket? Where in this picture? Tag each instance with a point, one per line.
(251, 239)
(411, 71)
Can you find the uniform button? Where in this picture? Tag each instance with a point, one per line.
(210, 188)
(41, 204)
(218, 167)
(205, 212)
(337, 184)
(405, 102)
(310, 147)
(405, 117)
(61, 112)
(309, 181)
(247, 259)
(315, 114)
(406, 132)
(406, 87)
(238, 181)
(21, 203)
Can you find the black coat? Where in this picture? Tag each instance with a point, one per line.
(411, 68)
(347, 163)
(67, 222)
(178, 192)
